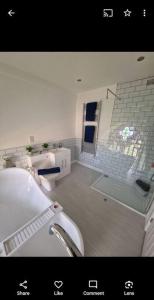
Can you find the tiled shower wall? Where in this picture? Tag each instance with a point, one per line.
(136, 111)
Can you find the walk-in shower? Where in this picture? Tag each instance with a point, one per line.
(124, 193)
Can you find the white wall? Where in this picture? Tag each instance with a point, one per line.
(30, 106)
(106, 111)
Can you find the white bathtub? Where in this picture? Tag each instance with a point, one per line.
(22, 200)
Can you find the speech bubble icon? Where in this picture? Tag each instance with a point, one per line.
(93, 284)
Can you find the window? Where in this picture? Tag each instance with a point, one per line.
(127, 132)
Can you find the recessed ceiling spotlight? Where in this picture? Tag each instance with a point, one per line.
(140, 58)
(79, 80)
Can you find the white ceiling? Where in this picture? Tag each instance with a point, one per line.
(96, 69)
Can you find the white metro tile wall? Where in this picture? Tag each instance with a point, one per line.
(135, 109)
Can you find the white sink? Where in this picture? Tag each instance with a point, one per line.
(58, 150)
(41, 160)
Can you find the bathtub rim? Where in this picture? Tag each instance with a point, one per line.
(80, 243)
(26, 171)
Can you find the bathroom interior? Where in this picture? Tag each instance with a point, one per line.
(76, 154)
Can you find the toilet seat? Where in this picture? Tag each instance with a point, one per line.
(48, 181)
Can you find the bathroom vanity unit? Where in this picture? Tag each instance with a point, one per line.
(60, 157)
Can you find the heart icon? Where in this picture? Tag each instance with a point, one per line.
(58, 284)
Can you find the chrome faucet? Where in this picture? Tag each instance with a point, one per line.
(66, 240)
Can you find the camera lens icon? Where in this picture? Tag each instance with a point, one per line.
(129, 284)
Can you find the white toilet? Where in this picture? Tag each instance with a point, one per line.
(43, 161)
(60, 157)
(48, 181)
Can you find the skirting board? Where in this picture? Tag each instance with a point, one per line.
(89, 166)
(74, 161)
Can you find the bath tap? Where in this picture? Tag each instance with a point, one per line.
(63, 236)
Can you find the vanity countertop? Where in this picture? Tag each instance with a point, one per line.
(49, 151)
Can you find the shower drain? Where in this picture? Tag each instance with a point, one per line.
(17, 239)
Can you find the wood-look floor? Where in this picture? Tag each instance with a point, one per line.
(108, 228)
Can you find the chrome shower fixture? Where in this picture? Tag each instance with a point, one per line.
(107, 94)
